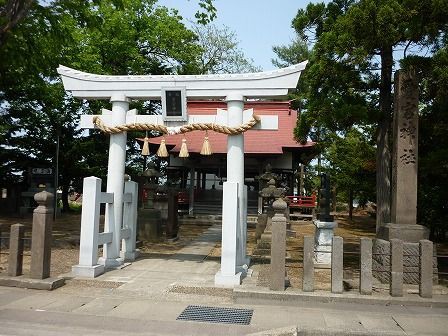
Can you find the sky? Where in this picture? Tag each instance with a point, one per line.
(258, 24)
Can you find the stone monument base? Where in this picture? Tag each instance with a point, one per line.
(149, 225)
(411, 261)
(323, 238)
(411, 233)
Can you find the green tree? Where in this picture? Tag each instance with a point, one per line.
(432, 206)
(351, 160)
(132, 37)
(220, 51)
(294, 53)
(11, 12)
(350, 77)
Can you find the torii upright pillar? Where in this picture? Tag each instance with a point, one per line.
(115, 183)
(234, 216)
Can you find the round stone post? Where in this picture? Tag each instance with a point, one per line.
(115, 182)
(41, 236)
(235, 172)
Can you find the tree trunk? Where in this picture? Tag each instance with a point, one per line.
(65, 205)
(334, 201)
(350, 204)
(383, 156)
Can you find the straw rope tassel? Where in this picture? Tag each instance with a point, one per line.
(183, 149)
(162, 151)
(206, 147)
(145, 149)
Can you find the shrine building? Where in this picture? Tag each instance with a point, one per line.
(199, 178)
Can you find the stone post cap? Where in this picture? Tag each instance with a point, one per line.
(279, 205)
(44, 198)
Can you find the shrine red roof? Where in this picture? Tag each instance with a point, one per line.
(255, 141)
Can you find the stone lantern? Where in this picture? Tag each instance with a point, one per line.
(149, 188)
(325, 225)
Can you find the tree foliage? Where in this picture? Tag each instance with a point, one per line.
(101, 36)
(433, 142)
(11, 12)
(220, 51)
(349, 79)
(351, 163)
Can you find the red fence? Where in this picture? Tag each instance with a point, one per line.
(302, 201)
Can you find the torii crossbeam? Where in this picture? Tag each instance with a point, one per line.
(234, 88)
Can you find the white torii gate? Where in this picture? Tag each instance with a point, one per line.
(234, 88)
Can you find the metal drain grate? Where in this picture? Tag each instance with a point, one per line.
(216, 315)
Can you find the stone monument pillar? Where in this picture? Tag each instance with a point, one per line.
(325, 225)
(404, 163)
(403, 224)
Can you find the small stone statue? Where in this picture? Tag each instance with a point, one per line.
(271, 193)
(267, 176)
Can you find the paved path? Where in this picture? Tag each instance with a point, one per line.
(155, 276)
(146, 297)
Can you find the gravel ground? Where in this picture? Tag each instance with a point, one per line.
(66, 247)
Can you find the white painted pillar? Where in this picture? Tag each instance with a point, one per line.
(128, 249)
(235, 173)
(228, 275)
(233, 255)
(115, 182)
(90, 219)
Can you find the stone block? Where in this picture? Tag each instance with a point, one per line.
(337, 265)
(411, 233)
(426, 269)
(411, 261)
(278, 253)
(308, 264)
(396, 267)
(22, 282)
(365, 280)
(15, 259)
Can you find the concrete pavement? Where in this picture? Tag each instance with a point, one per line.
(146, 297)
